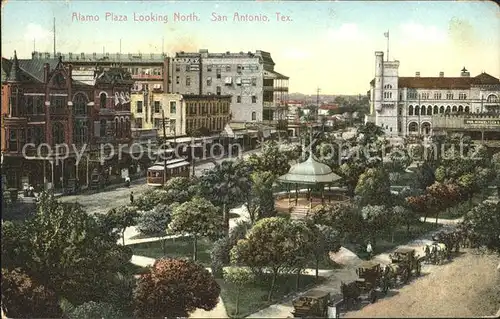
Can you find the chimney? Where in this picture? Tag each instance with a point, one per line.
(46, 70)
(417, 74)
(441, 74)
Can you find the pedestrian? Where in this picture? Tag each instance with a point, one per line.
(131, 197)
(369, 250)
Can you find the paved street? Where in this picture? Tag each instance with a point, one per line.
(103, 201)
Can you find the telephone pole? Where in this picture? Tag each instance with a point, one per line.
(317, 103)
(164, 150)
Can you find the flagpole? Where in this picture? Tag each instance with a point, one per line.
(387, 45)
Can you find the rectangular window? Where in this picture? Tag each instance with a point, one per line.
(254, 99)
(13, 140)
(238, 68)
(138, 105)
(188, 80)
(157, 106)
(462, 96)
(218, 73)
(29, 104)
(172, 126)
(218, 90)
(177, 79)
(238, 99)
(178, 68)
(138, 122)
(449, 96)
(188, 68)
(228, 68)
(173, 107)
(209, 68)
(158, 123)
(209, 81)
(437, 96)
(254, 81)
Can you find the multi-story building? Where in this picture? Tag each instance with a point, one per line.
(259, 93)
(45, 107)
(206, 114)
(409, 105)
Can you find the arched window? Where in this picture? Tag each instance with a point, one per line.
(448, 109)
(436, 109)
(58, 133)
(413, 127)
(460, 108)
(123, 128)
(417, 110)
(80, 132)
(80, 104)
(467, 109)
(127, 127)
(429, 110)
(454, 108)
(492, 98)
(254, 116)
(103, 129)
(426, 128)
(117, 127)
(103, 99)
(441, 110)
(410, 110)
(388, 86)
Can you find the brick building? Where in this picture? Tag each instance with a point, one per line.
(44, 107)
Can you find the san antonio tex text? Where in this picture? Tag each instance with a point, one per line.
(177, 17)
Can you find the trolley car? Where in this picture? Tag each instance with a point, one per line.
(178, 167)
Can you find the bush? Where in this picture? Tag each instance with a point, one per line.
(219, 256)
(93, 310)
(155, 221)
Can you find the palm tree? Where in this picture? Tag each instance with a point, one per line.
(225, 186)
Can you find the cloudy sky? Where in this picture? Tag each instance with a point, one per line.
(327, 44)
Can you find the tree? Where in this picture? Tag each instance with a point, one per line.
(225, 186)
(22, 297)
(483, 221)
(175, 288)
(70, 253)
(351, 173)
(495, 164)
(325, 239)
(198, 218)
(150, 199)
(121, 218)
(239, 277)
(376, 221)
(421, 204)
(260, 199)
(424, 176)
(404, 216)
(271, 159)
(369, 133)
(271, 243)
(93, 309)
(181, 189)
(374, 188)
(342, 217)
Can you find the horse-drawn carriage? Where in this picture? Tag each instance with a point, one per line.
(312, 304)
(404, 263)
(435, 253)
(443, 245)
(370, 278)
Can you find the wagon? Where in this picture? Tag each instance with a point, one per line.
(404, 263)
(370, 279)
(312, 304)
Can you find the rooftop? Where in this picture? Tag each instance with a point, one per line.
(309, 172)
(462, 82)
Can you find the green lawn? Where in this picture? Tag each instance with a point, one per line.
(174, 248)
(254, 296)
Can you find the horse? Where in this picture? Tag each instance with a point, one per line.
(428, 255)
(350, 291)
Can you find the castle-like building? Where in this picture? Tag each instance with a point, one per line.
(405, 106)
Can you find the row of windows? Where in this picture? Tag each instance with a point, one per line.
(203, 108)
(156, 107)
(437, 96)
(148, 71)
(212, 124)
(429, 110)
(228, 81)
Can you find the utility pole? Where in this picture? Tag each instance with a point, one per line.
(164, 151)
(317, 103)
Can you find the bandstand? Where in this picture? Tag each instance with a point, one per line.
(313, 175)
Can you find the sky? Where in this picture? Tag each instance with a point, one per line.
(325, 44)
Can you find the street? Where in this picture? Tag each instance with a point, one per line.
(103, 201)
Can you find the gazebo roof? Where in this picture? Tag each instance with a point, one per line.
(309, 172)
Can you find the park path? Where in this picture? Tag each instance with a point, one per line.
(348, 273)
